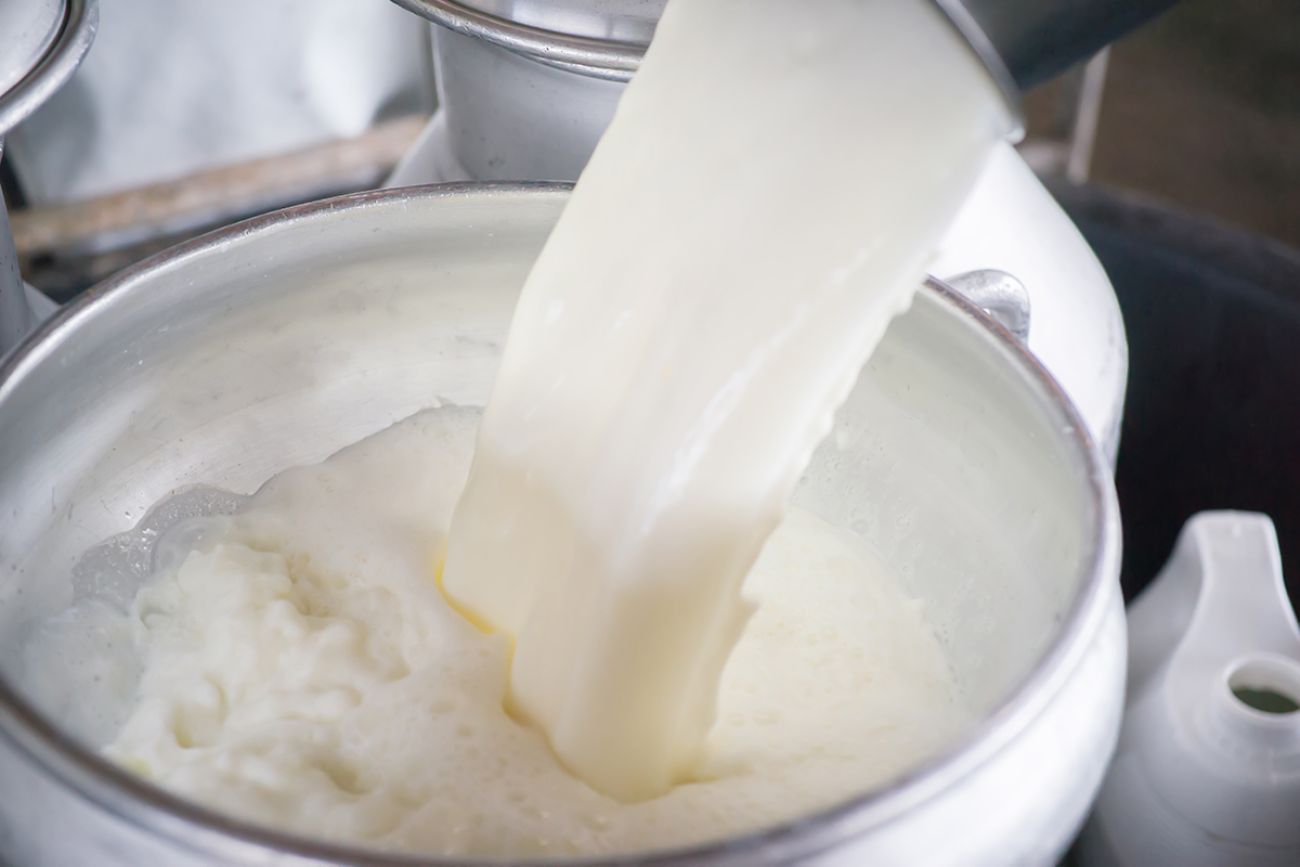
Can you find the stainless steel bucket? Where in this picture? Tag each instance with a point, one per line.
(277, 341)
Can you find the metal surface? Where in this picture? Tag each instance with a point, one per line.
(29, 28)
(40, 304)
(53, 68)
(52, 57)
(509, 118)
(998, 294)
(275, 342)
(16, 317)
(629, 21)
(600, 40)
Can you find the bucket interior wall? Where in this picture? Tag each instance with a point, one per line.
(284, 344)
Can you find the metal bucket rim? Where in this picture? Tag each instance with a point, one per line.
(610, 59)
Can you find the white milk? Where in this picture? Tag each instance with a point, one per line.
(764, 202)
(299, 668)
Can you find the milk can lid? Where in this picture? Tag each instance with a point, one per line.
(41, 43)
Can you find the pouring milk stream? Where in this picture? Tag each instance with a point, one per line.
(762, 205)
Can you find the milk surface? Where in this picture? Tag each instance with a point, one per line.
(299, 668)
(762, 205)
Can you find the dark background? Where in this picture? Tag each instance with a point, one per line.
(1193, 206)
(1201, 110)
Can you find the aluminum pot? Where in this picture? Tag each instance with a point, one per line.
(277, 341)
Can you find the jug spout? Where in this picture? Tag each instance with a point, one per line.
(1208, 768)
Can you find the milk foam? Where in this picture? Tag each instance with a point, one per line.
(299, 668)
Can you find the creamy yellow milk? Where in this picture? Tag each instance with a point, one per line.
(763, 204)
